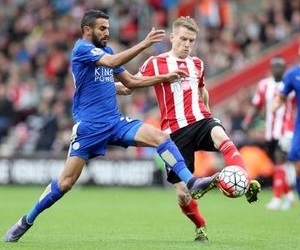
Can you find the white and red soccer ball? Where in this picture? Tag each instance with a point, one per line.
(233, 181)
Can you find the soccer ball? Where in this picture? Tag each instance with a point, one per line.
(233, 181)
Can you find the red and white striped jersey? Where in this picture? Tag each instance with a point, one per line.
(279, 122)
(179, 102)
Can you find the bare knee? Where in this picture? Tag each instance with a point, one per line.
(65, 184)
(183, 194)
(218, 135)
(148, 135)
(184, 198)
(161, 137)
(70, 173)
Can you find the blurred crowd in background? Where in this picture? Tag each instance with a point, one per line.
(36, 38)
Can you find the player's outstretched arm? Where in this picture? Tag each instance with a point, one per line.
(133, 81)
(125, 56)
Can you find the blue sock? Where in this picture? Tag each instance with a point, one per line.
(51, 194)
(169, 152)
(298, 186)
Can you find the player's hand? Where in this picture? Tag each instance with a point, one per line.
(278, 101)
(176, 75)
(154, 36)
(122, 89)
(276, 106)
(126, 91)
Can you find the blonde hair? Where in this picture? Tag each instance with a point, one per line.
(187, 22)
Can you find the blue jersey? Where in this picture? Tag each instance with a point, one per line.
(95, 107)
(291, 81)
(95, 94)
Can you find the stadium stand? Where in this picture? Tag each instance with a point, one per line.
(36, 37)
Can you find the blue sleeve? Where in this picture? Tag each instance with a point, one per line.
(88, 53)
(288, 83)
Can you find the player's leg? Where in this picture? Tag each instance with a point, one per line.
(289, 197)
(297, 186)
(278, 176)
(57, 188)
(282, 195)
(232, 156)
(147, 135)
(284, 145)
(185, 141)
(189, 206)
(190, 209)
(142, 134)
(86, 142)
(224, 144)
(53, 192)
(169, 152)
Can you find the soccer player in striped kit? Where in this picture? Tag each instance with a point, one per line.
(186, 116)
(277, 125)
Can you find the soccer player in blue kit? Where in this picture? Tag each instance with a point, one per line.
(97, 118)
(291, 80)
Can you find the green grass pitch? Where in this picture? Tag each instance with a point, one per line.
(146, 219)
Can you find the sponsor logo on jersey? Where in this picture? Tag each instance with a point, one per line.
(103, 74)
(182, 66)
(97, 51)
(184, 84)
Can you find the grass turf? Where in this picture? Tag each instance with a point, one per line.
(145, 218)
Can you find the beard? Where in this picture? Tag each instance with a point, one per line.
(99, 43)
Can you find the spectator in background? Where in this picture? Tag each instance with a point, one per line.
(6, 112)
(50, 119)
(56, 65)
(33, 34)
(266, 92)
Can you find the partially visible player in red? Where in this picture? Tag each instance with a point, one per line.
(186, 116)
(278, 125)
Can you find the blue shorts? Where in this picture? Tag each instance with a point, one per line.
(90, 139)
(294, 153)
